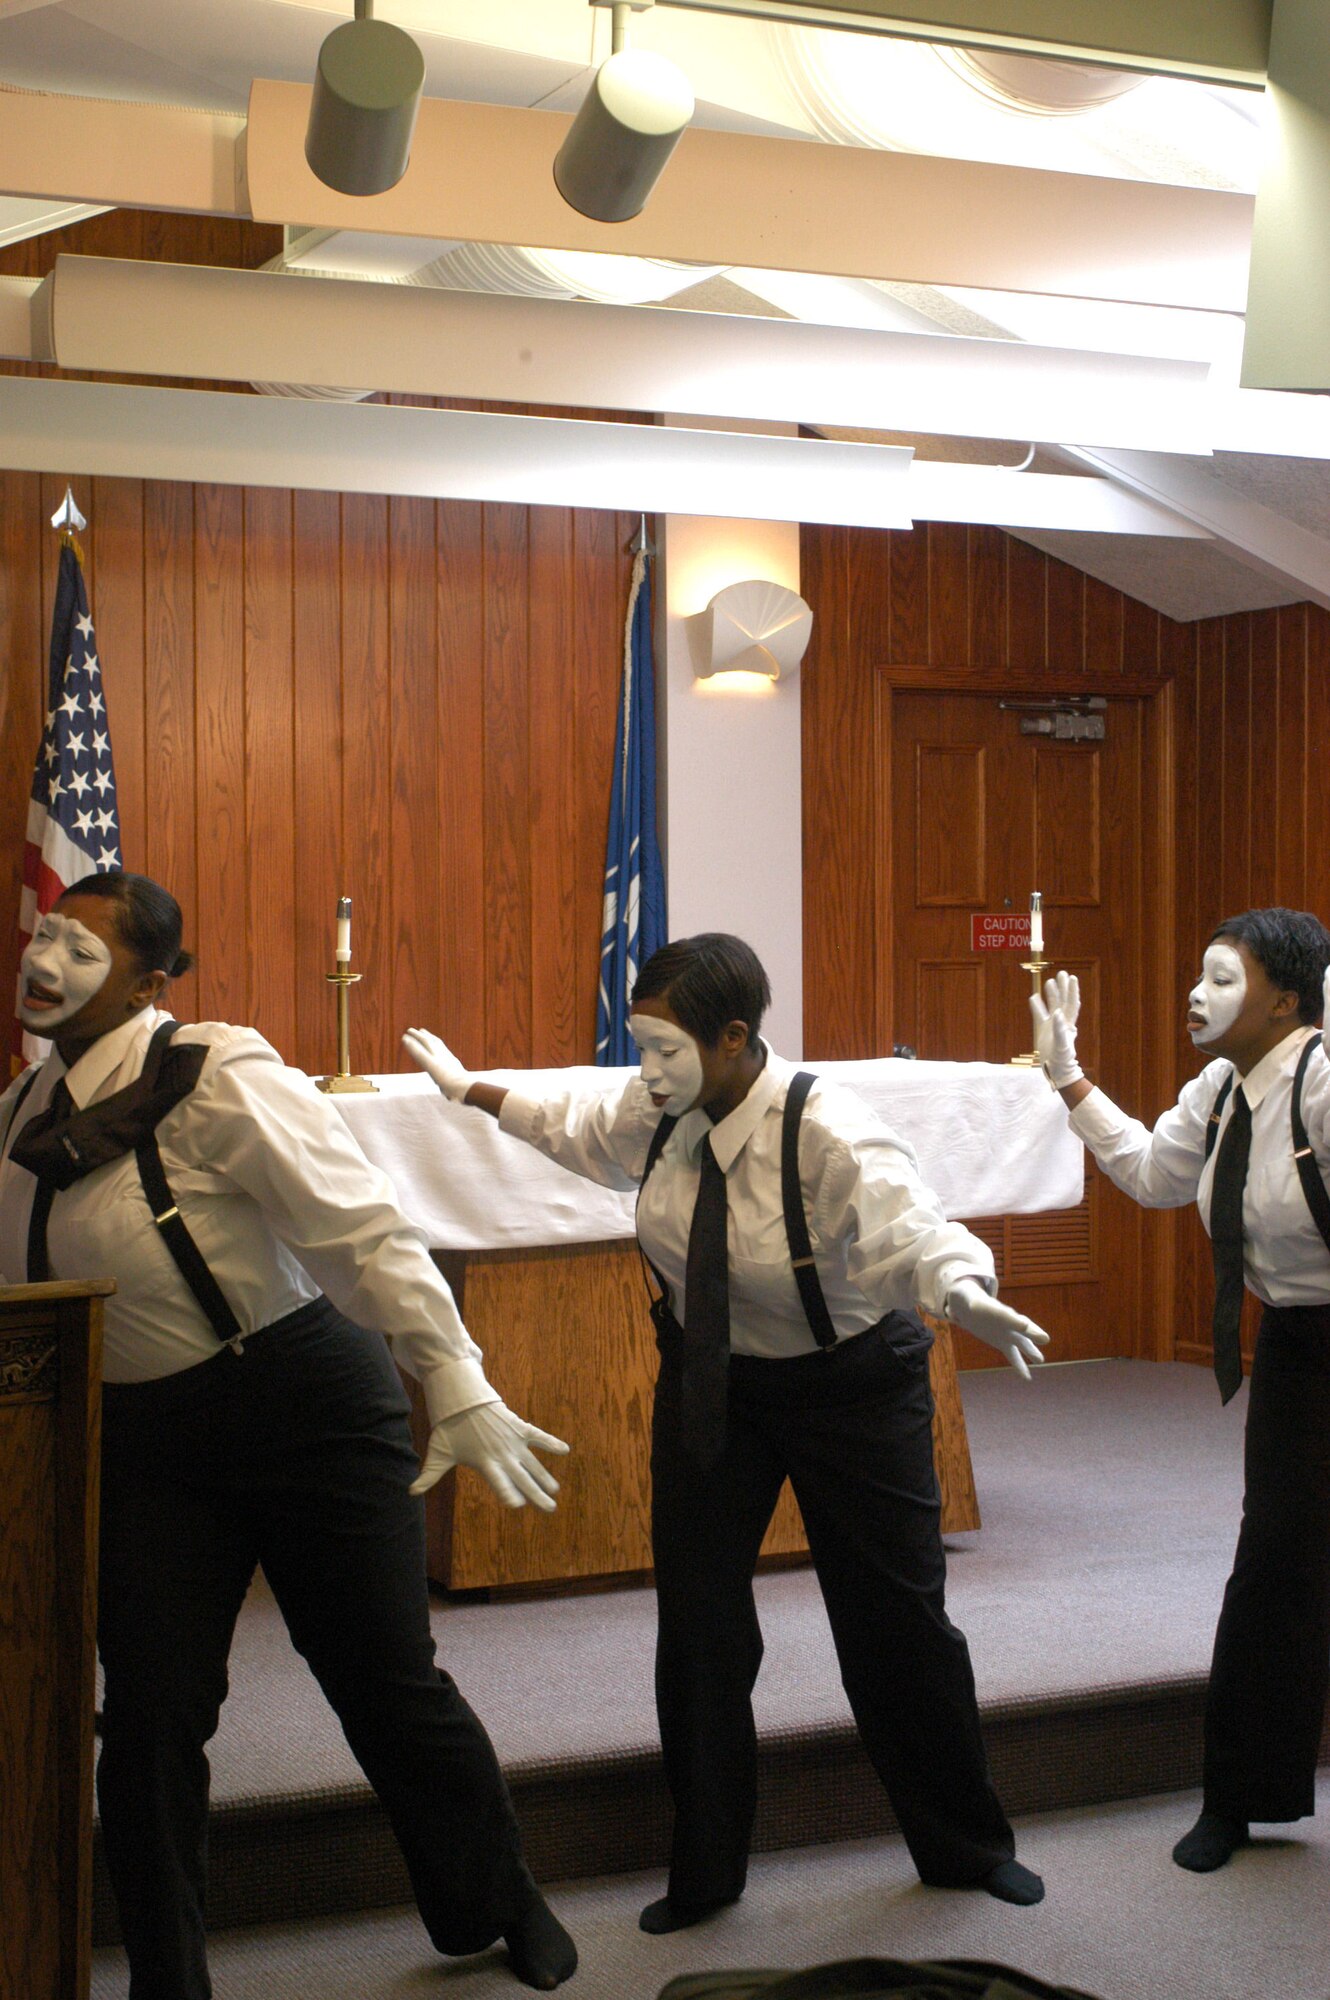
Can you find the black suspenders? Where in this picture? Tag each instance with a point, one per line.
(796, 1223)
(1313, 1187)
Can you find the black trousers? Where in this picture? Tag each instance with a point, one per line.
(1268, 1680)
(295, 1454)
(851, 1429)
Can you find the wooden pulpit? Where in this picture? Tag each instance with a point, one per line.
(50, 1430)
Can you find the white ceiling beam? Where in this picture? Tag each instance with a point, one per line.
(97, 150)
(1265, 541)
(1216, 40)
(484, 173)
(218, 436)
(111, 316)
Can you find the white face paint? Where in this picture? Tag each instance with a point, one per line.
(61, 969)
(1213, 1005)
(671, 1064)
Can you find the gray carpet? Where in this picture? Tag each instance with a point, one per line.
(1120, 1921)
(1110, 1495)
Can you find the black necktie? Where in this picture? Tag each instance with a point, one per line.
(1226, 1240)
(706, 1333)
(60, 1107)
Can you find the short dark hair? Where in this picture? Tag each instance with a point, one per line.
(708, 981)
(1292, 948)
(147, 918)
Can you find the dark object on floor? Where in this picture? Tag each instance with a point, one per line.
(869, 1978)
(1213, 1840)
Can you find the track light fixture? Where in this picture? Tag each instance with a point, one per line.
(630, 122)
(366, 95)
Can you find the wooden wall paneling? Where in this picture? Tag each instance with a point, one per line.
(1316, 890)
(1265, 777)
(950, 819)
(1160, 1074)
(270, 802)
(839, 795)
(948, 594)
(1067, 822)
(1027, 608)
(367, 561)
(222, 930)
(22, 699)
(462, 983)
(600, 572)
(987, 644)
(507, 788)
(318, 735)
(908, 570)
(170, 854)
(1141, 637)
(1212, 727)
(411, 948)
(868, 553)
(552, 816)
(1104, 652)
(1290, 755)
(1066, 623)
(1236, 833)
(115, 523)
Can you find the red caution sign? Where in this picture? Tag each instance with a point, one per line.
(999, 930)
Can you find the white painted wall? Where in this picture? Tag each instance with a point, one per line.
(730, 782)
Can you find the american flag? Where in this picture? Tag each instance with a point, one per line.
(73, 817)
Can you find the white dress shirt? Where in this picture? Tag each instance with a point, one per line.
(880, 1240)
(278, 1197)
(1285, 1260)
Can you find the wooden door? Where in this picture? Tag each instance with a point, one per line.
(981, 814)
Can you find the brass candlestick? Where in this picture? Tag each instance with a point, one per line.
(1036, 967)
(344, 1080)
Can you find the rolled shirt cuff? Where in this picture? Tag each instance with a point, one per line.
(951, 1273)
(1098, 1120)
(455, 1386)
(520, 1116)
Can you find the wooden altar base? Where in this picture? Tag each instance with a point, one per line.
(1111, 1494)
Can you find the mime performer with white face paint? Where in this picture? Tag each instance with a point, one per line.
(251, 1416)
(1249, 1142)
(790, 1235)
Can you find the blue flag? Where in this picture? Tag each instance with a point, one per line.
(633, 923)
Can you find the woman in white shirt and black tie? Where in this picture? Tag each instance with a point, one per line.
(790, 1234)
(246, 1420)
(1249, 1142)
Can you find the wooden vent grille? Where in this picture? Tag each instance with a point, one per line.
(1052, 1249)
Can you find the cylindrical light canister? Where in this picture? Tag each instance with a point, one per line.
(628, 126)
(366, 95)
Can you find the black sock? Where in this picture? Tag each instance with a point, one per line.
(542, 1953)
(1213, 1840)
(663, 1916)
(1012, 1882)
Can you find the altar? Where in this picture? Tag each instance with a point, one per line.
(551, 1286)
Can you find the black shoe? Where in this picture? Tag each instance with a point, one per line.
(1213, 1840)
(663, 1916)
(1012, 1882)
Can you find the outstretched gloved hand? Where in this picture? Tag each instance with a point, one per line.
(1014, 1336)
(498, 1444)
(1055, 1019)
(437, 1060)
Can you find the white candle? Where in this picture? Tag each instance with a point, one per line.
(1036, 923)
(344, 931)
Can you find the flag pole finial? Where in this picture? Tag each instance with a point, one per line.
(67, 520)
(642, 544)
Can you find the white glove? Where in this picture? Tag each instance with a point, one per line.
(1010, 1332)
(498, 1444)
(438, 1060)
(1055, 1029)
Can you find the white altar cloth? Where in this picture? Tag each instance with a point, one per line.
(991, 1140)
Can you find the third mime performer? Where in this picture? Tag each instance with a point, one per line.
(791, 1235)
(1249, 1141)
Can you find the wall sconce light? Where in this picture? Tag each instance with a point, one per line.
(366, 95)
(754, 628)
(630, 122)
